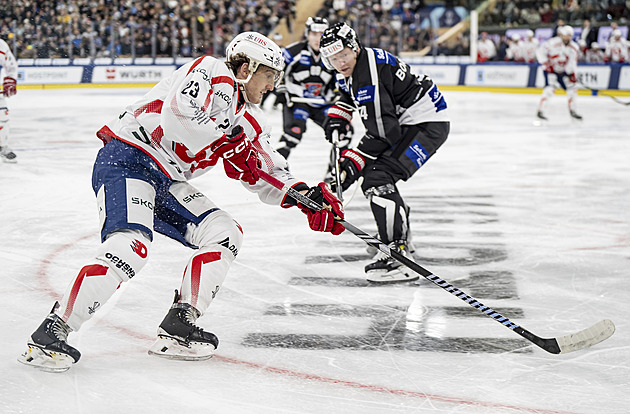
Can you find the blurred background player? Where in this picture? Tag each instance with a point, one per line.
(617, 48)
(406, 121)
(8, 69)
(486, 49)
(140, 179)
(529, 44)
(308, 88)
(559, 57)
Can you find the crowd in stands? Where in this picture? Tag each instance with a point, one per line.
(110, 28)
(133, 28)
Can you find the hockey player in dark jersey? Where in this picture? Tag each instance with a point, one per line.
(308, 87)
(406, 121)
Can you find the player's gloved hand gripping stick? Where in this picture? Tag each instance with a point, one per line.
(561, 345)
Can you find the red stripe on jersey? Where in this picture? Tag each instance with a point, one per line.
(207, 101)
(154, 107)
(156, 136)
(194, 65)
(86, 271)
(195, 272)
(252, 121)
(265, 156)
(222, 79)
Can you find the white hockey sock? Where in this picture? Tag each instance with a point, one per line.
(219, 238)
(118, 259)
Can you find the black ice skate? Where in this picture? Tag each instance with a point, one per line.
(179, 337)
(47, 346)
(540, 115)
(384, 269)
(575, 115)
(7, 155)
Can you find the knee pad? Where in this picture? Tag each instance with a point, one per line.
(218, 228)
(125, 252)
(377, 182)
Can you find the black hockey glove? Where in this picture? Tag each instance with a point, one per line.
(338, 119)
(350, 165)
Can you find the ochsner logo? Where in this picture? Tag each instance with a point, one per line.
(336, 47)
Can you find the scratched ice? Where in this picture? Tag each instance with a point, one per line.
(532, 221)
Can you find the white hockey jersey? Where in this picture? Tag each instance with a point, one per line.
(178, 120)
(616, 50)
(562, 58)
(528, 50)
(8, 64)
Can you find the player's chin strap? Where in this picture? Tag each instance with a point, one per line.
(561, 345)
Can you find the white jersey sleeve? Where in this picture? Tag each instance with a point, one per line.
(7, 61)
(272, 162)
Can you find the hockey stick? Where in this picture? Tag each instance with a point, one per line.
(335, 155)
(597, 91)
(562, 345)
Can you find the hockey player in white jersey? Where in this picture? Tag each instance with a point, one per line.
(529, 45)
(8, 67)
(205, 112)
(617, 48)
(559, 57)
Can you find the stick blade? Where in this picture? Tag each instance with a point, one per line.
(586, 338)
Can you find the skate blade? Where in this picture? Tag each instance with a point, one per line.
(393, 276)
(47, 361)
(171, 348)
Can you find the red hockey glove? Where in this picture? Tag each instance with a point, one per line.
(573, 78)
(240, 159)
(351, 163)
(9, 86)
(548, 68)
(324, 220)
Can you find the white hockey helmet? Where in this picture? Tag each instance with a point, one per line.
(616, 33)
(259, 50)
(565, 30)
(335, 39)
(529, 33)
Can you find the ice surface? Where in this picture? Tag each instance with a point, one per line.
(533, 221)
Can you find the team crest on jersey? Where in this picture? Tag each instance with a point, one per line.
(312, 89)
(365, 94)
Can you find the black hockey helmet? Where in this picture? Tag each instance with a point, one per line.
(335, 39)
(315, 24)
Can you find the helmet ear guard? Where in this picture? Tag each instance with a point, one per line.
(259, 50)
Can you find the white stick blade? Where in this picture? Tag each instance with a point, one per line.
(586, 338)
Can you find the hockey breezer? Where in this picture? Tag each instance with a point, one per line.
(561, 345)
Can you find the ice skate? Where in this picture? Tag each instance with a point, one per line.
(179, 337)
(384, 269)
(575, 115)
(7, 155)
(541, 116)
(47, 346)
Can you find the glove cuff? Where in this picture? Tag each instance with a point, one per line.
(355, 157)
(338, 112)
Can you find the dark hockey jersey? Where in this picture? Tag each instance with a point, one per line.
(305, 76)
(387, 95)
